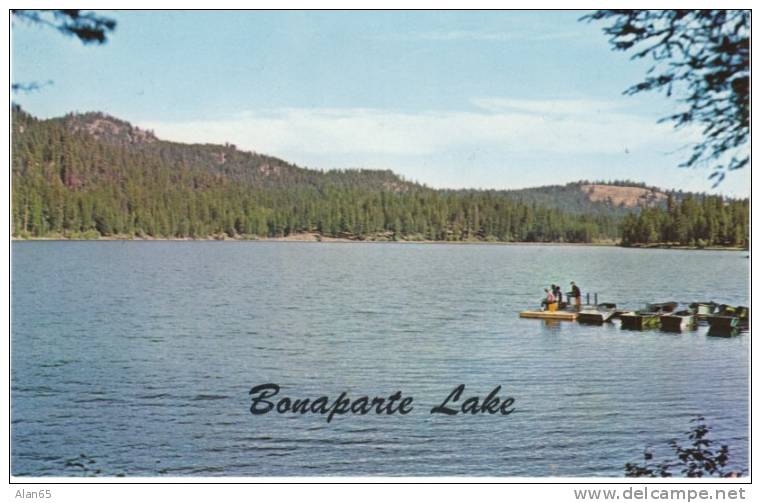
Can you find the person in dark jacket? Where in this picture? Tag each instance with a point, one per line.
(558, 293)
(576, 294)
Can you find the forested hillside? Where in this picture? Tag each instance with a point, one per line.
(91, 175)
(705, 221)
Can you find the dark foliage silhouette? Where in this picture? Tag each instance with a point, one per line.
(28, 87)
(695, 458)
(88, 27)
(702, 58)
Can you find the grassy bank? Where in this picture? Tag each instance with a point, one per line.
(309, 237)
(671, 246)
(304, 237)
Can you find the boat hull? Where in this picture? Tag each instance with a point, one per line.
(594, 317)
(723, 322)
(639, 321)
(662, 307)
(723, 332)
(677, 323)
(704, 309)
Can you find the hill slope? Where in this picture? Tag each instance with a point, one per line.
(94, 175)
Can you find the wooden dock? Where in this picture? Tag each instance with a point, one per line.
(550, 315)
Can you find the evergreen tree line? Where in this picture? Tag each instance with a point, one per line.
(692, 221)
(70, 180)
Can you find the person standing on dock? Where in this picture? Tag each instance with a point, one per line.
(576, 295)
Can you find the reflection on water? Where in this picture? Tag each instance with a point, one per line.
(552, 325)
(139, 356)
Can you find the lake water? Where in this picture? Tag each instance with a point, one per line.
(136, 358)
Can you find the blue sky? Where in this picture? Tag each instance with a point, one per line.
(450, 99)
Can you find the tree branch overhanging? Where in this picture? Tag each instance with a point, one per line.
(702, 58)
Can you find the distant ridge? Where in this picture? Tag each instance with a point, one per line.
(578, 197)
(94, 175)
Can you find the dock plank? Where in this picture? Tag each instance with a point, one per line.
(550, 315)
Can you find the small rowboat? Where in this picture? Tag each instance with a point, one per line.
(650, 317)
(594, 316)
(729, 318)
(639, 320)
(661, 308)
(704, 309)
(719, 322)
(597, 315)
(678, 321)
(718, 332)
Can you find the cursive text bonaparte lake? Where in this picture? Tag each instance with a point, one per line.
(264, 400)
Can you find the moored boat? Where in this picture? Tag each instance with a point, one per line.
(704, 309)
(597, 314)
(722, 332)
(661, 307)
(720, 322)
(729, 318)
(650, 317)
(677, 321)
(640, 320)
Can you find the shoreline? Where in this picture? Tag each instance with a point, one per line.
(315, 238)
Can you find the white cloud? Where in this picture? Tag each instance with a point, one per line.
(504, 125)
(486, 36)
(468, 35)
(500, 143)
(554, 107)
